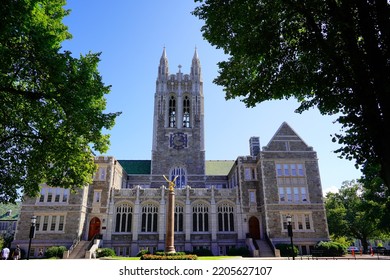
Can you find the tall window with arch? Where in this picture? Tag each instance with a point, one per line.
(200, 217)
(123, 218)
(172, 111)
(149, 218)
(181, 177)
(186, 111)
(179, 218)
(225, 217)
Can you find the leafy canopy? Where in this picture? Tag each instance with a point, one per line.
(333, 55)
(52, 104)
(350, 213)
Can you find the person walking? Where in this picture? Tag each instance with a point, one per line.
(5, 253)
(17, 253)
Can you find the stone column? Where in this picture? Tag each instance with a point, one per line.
(169, 238)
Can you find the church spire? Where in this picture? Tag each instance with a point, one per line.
(196, 72)
(163, 67)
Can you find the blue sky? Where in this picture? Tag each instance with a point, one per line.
(131, 36)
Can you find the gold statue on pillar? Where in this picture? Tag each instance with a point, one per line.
(171, 184)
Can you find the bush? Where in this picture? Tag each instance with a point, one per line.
(241, 251)
(162, 253)
(142, 252)
(55, 252)
(202, 252)
(285, 250)
(173, 256)
(105, 252)
(330, 249)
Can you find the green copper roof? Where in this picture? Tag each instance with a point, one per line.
(136, 166)
(218, 167)
(213, 167)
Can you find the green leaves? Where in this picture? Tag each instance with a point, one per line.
(52, 104)
(351, 213)
(332, 55)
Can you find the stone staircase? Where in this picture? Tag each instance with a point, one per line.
(264, 249)
(79, 251)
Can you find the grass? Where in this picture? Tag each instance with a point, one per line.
(199, 258)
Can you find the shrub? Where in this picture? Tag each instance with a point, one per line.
(330, 249)
(55, 252)
(169, 257)
(142, 252)
(241, 251)
(202, 252)
(105, 252)
(285, 250)
(162, 253)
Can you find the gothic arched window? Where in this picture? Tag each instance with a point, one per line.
(186, 112)
(172, 112)
(181, 179)
(179, 217)
(149, 218)
(200, 217)
(225, 217)
(124, 217)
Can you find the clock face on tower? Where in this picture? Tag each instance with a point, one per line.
(178, 140)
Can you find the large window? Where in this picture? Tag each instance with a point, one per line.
(50, 223)
(100, 174)
(200, 217)
(181, 176)
(186, 112)
(250, 173)
(124, 217)
(292, 194)
(291, 169)
(225, 217)
(172, 112)
(292, 185)
(53, 195)
(149, 218)
(300, 222)
(179, 218)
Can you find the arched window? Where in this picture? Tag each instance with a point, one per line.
(200, 217)
(172, 112)
(186, 112)
(179, 217)
(225, 217)
(181, 179)
(149, 218)
(124, 217)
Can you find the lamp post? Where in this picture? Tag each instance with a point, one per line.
(32, 233)
(290, 234)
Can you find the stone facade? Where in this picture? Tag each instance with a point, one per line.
(219, 204)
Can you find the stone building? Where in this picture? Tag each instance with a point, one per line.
(220, 204)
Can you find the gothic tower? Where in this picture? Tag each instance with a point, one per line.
(178, 126)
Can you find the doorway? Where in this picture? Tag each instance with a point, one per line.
(254, 228)
(94, 227)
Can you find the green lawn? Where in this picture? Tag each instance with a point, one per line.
(199, 258)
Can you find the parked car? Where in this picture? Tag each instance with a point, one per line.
(379, 250)
(352, 248)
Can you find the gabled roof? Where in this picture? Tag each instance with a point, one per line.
(285, 134)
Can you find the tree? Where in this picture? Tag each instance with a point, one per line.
(52, 104)
(350, 214)
(329, 54)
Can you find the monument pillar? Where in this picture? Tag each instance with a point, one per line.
(170, 236)
(170, 233)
